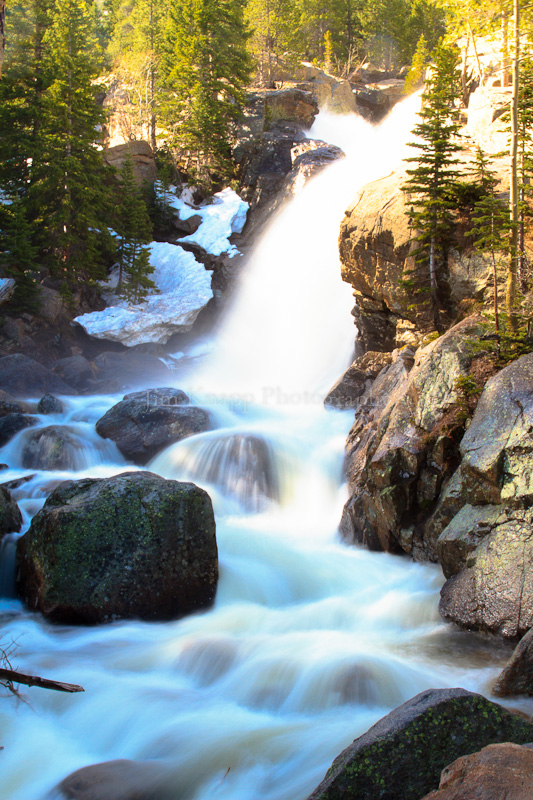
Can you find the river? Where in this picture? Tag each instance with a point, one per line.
(309, 641)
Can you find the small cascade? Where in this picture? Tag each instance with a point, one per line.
(239, 465)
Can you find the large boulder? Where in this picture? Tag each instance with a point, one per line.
(113, 780)
(134, 545)
(10, 516)
(125, 369)
(290, 105)
(517, 676)
(48, 404)
(143, 423)
(403, 446)
(332, 94)
(485, 521)
(21, 375)
(77, 371)
(403, 754)
(496, 772)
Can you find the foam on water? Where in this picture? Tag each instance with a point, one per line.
(309, 642)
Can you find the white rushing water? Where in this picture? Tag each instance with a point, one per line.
(309, 642)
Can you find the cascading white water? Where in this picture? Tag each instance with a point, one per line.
(309, 641)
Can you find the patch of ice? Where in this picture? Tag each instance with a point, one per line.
(226, 214)
(184, 289)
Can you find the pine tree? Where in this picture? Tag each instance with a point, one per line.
(415, 76)
(134, 230)
(205, 69)
(490, 222)
(67, 195)
(431, 184)
(18, 257)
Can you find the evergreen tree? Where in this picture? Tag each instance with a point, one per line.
(432, 182)
(134, 230)
(18, 257)
(415, 76)
(206, 68)
(490, 222)
(67, 193)
(273, 25)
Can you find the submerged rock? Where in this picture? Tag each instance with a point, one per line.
(10, 516)
(496, 772)
(113, 780)
(403, 754)
(134, 545)
(144, 423)
(51, 448)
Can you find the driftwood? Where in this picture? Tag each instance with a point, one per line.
(11, 676)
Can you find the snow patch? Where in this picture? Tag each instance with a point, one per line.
(184, 289)
(226, 214)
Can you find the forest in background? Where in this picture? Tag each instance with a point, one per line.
(188, 65)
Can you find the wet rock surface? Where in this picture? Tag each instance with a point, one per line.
(10, 516)
(517, 676)
(131, 546)
(24, 377)
(402, 756)
(144, 423)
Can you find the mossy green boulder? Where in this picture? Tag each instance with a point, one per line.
(401, 757)
(131, 546)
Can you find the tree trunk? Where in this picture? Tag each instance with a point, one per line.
(2, 32)
(512, 270)
(505, 49)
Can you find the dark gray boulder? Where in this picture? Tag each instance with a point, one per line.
(11, 424)
(131, 546)
(402, 755)
(10, 516)
(77, 371)
(144, 423)
(50, 405)
(22, 376)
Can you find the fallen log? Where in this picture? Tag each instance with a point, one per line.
(11, 676)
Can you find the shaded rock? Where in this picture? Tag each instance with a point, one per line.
(403, 446)
(115, 371)
(8, 405)
(188, 225)
(134, 545)
(142, 156)
(52, 307)
(10, 516)
(50, 405)
(11, 424)
(144, 423)
(357, 378)
(403, 754)
(464, 533)
(51, 448)
(113, 780)
(517, 676)
(17, 330)
(77, 371)
(498, 771)
(21, 375)
(494, 592)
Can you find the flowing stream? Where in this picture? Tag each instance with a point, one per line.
(309, 642)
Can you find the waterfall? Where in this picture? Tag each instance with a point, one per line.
(309, 642)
